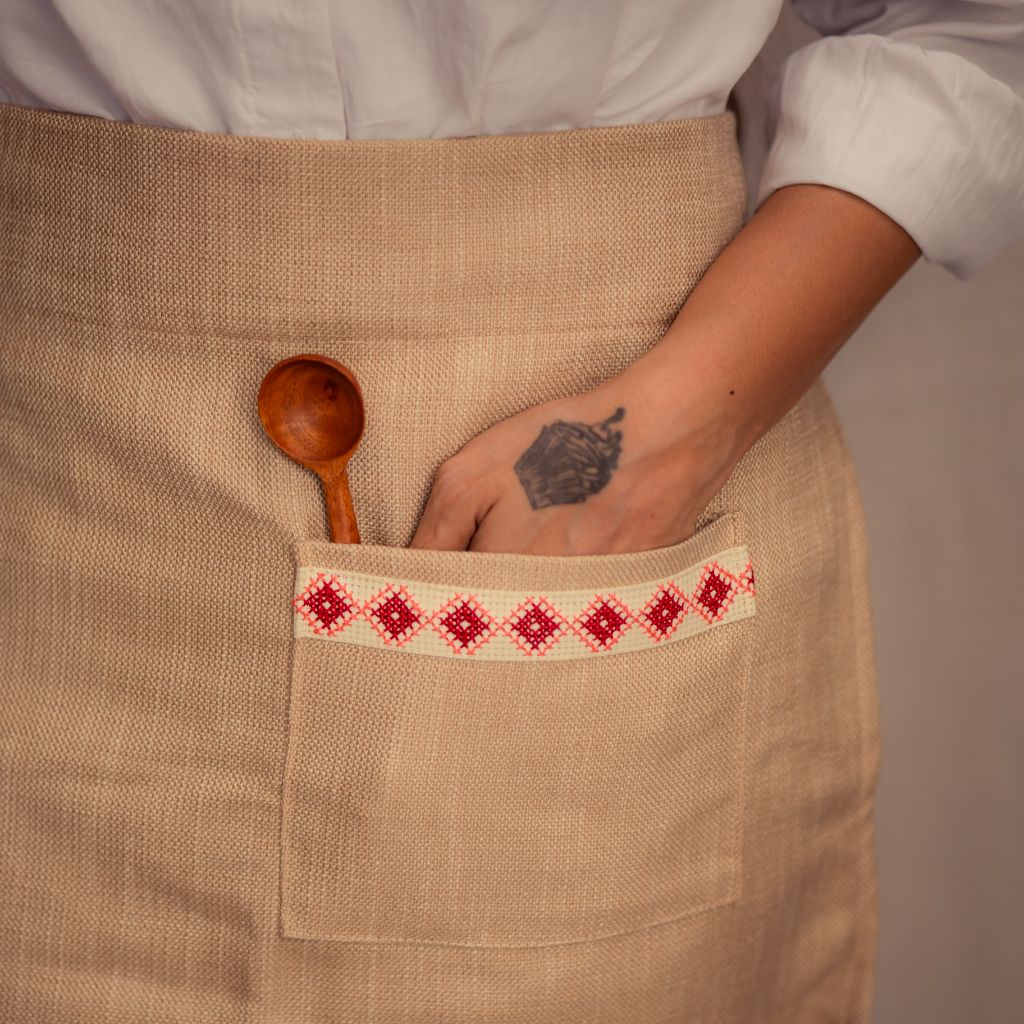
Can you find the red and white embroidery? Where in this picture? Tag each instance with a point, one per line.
(464, 624)
(505, 625)
(535, 625)
(326, 605)
(663, 612)
(602, 622)
(715, 591)
(395, 615)
(746, 580)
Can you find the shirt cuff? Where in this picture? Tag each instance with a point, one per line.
(926, 136)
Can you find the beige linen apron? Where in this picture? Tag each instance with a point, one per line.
(251, 775)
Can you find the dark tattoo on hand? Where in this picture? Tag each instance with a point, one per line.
(570, 461)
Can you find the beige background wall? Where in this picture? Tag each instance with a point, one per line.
(931, 394)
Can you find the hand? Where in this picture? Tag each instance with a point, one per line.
(604, 472)
(755, 331)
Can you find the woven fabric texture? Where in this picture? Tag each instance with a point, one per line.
(209, 818)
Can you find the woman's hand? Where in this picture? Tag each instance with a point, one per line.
(612, 470)
(752, 336)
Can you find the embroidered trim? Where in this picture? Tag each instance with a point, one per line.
(505, 625)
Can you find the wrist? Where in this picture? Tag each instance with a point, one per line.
(764, 320)
(678, 419)
(687, 405)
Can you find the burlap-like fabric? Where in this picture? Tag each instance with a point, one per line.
(209, 818)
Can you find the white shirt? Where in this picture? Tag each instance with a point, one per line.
(917, 106)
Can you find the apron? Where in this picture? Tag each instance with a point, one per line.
(249, 774)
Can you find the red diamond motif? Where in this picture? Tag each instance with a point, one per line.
(395, 615)
(715, 591)
(464, 623)
(535, 625)
(602, 623)
(326, 604)
(663, 613)
(746, 579)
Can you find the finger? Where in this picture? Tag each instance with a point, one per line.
(449, 517)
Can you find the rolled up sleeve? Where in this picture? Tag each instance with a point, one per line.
(916, 107)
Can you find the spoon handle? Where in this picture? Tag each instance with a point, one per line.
(340, 513)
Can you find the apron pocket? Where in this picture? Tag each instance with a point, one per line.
(493, 749)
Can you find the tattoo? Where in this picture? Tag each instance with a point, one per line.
(570, 461)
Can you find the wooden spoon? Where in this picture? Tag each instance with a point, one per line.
(312, 408)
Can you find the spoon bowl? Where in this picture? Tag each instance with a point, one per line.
(312, 408)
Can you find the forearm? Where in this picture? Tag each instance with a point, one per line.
(770, 312)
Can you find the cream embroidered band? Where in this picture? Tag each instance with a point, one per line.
(507, 625)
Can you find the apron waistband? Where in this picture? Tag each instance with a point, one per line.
(178, 230)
